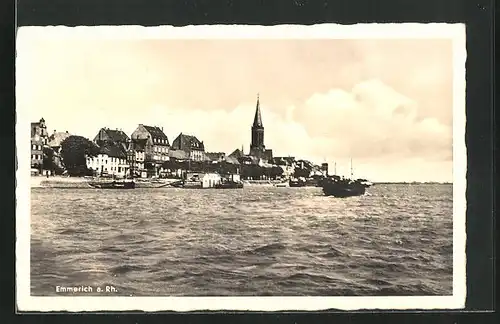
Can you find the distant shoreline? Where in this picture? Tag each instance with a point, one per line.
(43, 181)
(415, 182)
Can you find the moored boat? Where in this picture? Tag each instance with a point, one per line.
(114, 184)
(297, 182)
(151, 183)
(191, 185)
(229, 185)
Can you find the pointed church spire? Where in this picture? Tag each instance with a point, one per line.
(257, 121)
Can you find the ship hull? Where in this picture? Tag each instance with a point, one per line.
(343, 190)
(229, 185)
(296, 184)
(151, 184)
(113, 185)
(192, 185)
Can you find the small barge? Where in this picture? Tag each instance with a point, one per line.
(115, 184)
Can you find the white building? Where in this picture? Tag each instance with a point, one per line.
(209, 180)
(288, 171)
(111, 160)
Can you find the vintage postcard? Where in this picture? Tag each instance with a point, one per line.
(241, 167)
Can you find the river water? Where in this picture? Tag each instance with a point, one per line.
(395, 240)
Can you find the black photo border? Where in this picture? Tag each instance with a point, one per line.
(478, 15)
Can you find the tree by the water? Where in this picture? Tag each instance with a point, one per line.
(48, 162)
(74, 152)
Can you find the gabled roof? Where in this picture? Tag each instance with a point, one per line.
(184, 141)
(232, 160)
(117, 135)
(237, 154)
(112, 150)
(156, 132)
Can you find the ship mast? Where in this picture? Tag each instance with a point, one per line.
(351, 170)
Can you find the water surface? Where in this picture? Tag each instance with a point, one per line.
(395, 240)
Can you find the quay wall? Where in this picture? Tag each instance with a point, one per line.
(261, 182)
(58, 182)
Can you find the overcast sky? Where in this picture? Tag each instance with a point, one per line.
(385, 103)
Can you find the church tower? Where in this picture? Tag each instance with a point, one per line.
(257, 147)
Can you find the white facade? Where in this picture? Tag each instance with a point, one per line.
(140, 156)
(288, 171)
(103, 163)
(235, 177)
(160, 153)
(196, 155)
(209, 180)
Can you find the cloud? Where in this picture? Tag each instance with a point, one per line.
(321, 99)
(373, 121)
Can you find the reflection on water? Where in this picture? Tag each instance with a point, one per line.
(396, 240)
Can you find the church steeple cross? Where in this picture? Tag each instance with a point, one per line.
(257, 121)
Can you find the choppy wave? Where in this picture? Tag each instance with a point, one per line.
(257, 241)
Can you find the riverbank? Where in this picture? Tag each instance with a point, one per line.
(59, 182)
(82, 182)
(261, 182)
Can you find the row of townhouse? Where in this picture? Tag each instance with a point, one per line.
(143, 153)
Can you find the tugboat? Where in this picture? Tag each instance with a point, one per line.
(341, 187)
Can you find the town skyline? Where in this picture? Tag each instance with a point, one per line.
(321, 100)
